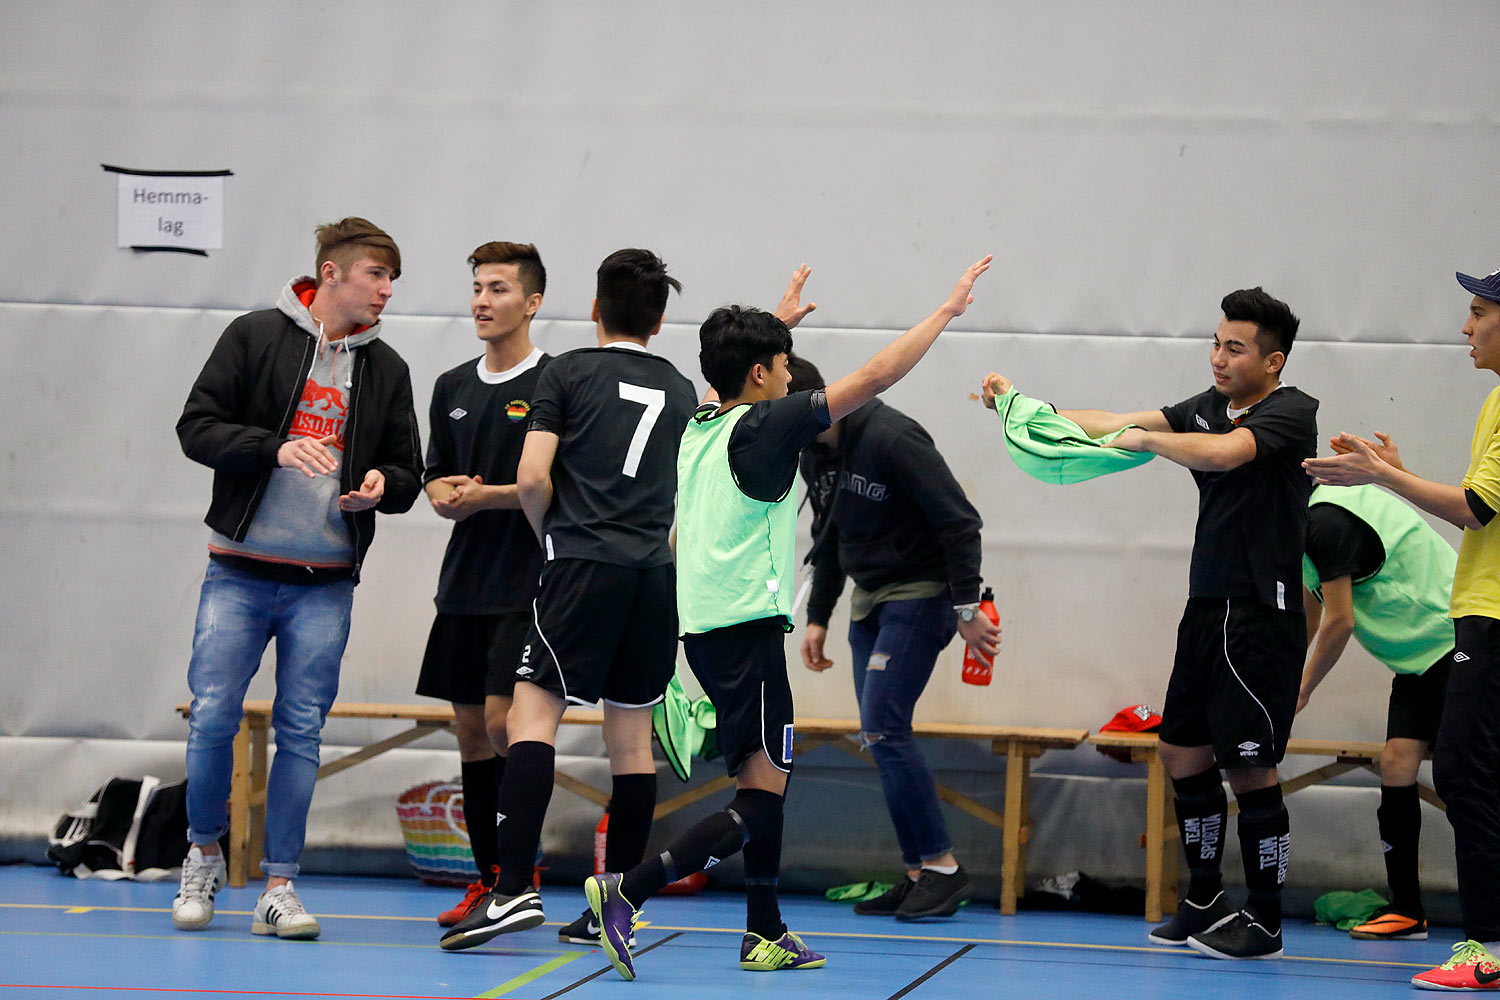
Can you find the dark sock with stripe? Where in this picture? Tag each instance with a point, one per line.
(523, 802)
(711, 840)
(1202, 813)
(481, 781)
(762, 869)
(1400, 819)
(632, 800)
(1265, 846)
(714, 837)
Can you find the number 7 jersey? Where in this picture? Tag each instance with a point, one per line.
(619, 413)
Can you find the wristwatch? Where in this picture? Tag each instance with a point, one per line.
(967, 612)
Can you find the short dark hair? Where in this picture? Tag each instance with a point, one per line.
(733, 340)
(346, 240)
(528, 263)
(805, 374)
(1275, 323)
(632, 292)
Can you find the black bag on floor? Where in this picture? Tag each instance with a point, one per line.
(130, 828)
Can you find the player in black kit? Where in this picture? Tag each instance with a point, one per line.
(478, 422)
(598, 482)
(1240, 644)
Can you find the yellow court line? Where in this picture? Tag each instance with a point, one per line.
(537, 973)
(256, 940)
(731, 930)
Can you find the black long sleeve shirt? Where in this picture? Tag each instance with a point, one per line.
(886, 509)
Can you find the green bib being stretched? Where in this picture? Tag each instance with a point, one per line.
(735, 554)
(1400, 610)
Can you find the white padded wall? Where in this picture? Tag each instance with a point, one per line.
(1127, 165)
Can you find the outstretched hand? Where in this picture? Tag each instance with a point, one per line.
(1356, 464)
(791, 310)
(962, 292)
(993, 385)
(368, 495)
(1343, 444)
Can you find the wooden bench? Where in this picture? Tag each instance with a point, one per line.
(1160, 838)
(1018, 744)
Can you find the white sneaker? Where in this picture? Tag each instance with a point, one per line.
(202, 877)
(280, 912)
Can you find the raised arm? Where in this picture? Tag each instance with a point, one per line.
(891, 363)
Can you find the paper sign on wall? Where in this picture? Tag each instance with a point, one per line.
(170, 210)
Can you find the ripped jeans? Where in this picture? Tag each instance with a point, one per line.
(895, 648)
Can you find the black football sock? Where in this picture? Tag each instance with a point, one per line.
(762, 869)
(523, 807)
(631, 803)
(481, 783)
(1400, 820)
(708, 842)
(1265, 846)
(1202, 811)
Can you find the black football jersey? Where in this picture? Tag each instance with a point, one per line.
(619, 413)
(478, 422)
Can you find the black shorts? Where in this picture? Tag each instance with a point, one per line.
(742, 669)
(603, 631)
(1416, 706)
(1235, 680)
(471, 656)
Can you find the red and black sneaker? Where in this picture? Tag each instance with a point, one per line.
(472, 895)
(1472, 967)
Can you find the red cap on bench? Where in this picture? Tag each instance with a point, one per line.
(1135, 719)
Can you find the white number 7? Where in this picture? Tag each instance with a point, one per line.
(655, 400)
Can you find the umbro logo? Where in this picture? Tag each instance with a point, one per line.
(459, 413)
(710, 862)
(523, 671)
(1460, 657)
(1198, 419)
(1248, 748)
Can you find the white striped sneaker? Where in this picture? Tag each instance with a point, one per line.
(280, 912)
(202, 877)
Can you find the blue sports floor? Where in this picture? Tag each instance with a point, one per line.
(63, 938)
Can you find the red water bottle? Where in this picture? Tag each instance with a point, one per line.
(980, 669)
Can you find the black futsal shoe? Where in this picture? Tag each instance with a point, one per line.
(1241, 936)
(1192, 919)
(496, 914)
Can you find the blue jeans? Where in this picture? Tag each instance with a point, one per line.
(238, 614)
(895, 648)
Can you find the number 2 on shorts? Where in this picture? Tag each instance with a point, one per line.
(655, 400)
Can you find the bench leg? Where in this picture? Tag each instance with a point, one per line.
(1017, 818)
(259, 780)
(1161, 871)
(239, 807)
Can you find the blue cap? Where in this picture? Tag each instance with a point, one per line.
(1487, 287)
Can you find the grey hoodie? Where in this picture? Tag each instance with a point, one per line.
(299, 521)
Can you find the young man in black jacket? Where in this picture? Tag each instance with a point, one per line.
(887, 512)
(306, 419)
